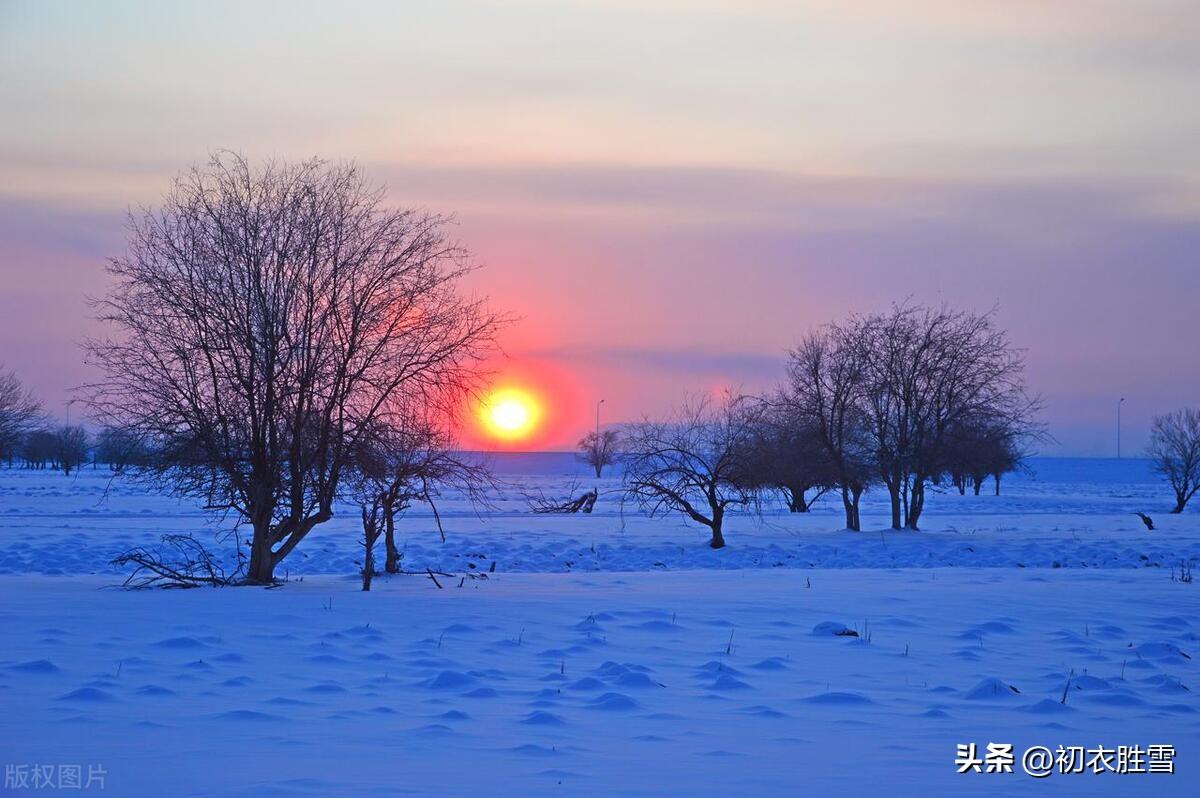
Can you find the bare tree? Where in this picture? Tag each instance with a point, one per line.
(1007, 453)
(120, 449)
(20, 412)
(784, 452)
(925, 370)
(825, 391)
(976, 449)
(599, 449)
(71, 446)
(1175, 451)
(265, 320)
(412, 460)
(690, 464)
(38, 449)
(371, 507)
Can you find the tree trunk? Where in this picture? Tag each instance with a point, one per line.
(997, 476)
(850, 504)
(718, 540)
(261, 570)
(897, 515)
(391, 562)
(368, 559)
(795, 500)
(916, 504)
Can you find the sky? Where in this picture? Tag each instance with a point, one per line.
(668, 194)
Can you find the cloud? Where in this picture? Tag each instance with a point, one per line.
(695, 363)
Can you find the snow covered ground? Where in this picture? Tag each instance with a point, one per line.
(610, 654)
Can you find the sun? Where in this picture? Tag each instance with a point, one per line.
(510, 414)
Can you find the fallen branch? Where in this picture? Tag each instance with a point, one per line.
(584, 503)
(181, 562)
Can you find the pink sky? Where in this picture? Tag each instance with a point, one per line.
(669, 194)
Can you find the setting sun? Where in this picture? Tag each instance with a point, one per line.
(510, 414)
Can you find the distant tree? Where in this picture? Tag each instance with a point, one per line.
(20, 412)
(1174, 450)
(120, 449)
(599, 450)
(38, 449)
(925, 370)
(1007, 454)
(267, 319)
(960, 458)
(824, 391)
(690, 463)
(976, 449)
(71, 446)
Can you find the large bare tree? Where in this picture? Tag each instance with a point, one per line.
(925, 370)
(690, 464)
(266, 318)
(785, 453)
(824, 391)
(1174, 450)
(20, 413)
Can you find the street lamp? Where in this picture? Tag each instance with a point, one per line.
(1121, 402)
(598, 419)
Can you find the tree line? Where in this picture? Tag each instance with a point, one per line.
(906, 400)
(909, 400)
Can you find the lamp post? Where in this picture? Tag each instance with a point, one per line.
(1119, 403)
(598, 420)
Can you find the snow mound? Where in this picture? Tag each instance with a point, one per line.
(833, 629)
(991, 690)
